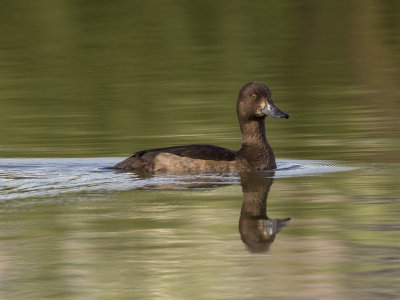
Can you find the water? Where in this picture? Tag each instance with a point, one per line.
(76, 229)
(83, 85)
(39, 177)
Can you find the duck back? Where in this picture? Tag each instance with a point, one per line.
(178, 159)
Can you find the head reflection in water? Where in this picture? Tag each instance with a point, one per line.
(256, 229)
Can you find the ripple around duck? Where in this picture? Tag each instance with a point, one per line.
(23, 178)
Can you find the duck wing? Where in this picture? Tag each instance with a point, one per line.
(144, 160)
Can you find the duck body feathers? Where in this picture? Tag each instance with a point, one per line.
(182, 159)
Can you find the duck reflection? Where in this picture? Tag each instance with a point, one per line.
(257, 231)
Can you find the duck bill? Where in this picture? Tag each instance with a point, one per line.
(271, 110)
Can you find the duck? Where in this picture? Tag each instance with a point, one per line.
(254, 104)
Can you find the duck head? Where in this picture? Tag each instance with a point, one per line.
(255, 102)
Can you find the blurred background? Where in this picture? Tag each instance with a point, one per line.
(94, 81)
(91, 79)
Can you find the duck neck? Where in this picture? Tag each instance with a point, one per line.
(253, 133)
(255, 148)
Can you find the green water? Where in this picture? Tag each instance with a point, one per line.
(93, 81)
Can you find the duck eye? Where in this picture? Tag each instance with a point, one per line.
(254, 96)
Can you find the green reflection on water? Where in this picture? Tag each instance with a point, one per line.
(85, 79)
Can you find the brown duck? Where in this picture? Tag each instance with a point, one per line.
(254, 103)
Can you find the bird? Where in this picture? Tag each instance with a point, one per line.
(254, 104)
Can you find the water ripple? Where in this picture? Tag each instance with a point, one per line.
(46, 177)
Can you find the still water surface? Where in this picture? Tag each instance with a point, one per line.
(83, 84)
